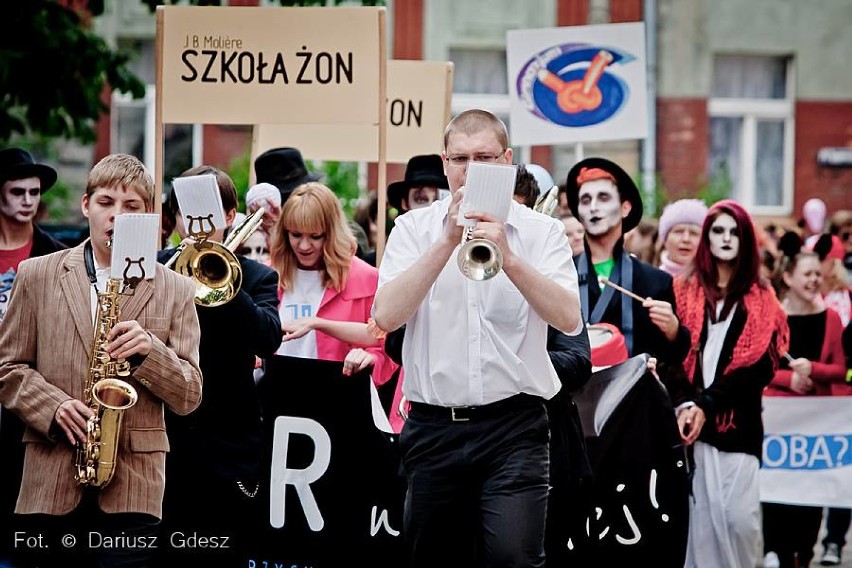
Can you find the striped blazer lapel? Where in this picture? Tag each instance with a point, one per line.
(75, 286)
(130, 305)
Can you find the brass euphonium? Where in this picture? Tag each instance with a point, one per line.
(547, 203)
(213, 266)
(106, 394)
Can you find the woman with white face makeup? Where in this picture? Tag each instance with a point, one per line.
(738, 332)
(816, 347)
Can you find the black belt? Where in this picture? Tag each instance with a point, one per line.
(468, 413)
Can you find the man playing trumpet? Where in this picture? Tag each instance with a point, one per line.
(45, 341)
(477, 371)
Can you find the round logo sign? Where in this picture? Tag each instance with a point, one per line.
(573, 84)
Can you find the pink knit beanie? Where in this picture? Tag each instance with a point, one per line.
(682, 211)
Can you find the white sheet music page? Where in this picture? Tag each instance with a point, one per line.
(200, 202)
(134, 245)
(488, 188)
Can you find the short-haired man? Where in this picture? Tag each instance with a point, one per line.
(46, 341)
(214, 469)
(477, 371)
(607, 202)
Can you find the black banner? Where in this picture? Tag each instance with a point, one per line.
(336, 491)
(640, 509)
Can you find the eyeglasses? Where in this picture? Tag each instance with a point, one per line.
(462, 160)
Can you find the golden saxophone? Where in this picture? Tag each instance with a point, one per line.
(106, 394)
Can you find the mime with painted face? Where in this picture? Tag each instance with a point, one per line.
(607, 202)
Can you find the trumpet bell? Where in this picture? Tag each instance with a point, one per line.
(479, 259)
(214, 269)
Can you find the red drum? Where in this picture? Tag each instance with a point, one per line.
(608, 347)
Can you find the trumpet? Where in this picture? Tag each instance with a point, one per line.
(478, 259)
(213, 266)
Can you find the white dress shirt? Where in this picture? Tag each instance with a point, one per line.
(473, 343)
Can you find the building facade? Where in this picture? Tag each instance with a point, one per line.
(752, 98)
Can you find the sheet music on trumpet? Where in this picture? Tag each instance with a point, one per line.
(135, 237)
(488, 188)
(200, 202)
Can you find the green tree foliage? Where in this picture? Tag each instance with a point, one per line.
(54, 71)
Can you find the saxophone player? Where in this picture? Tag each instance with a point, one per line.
(45, 343)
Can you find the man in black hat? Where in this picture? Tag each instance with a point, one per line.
(607, 202)
(22, 181)
(424, 177)
(285, 169)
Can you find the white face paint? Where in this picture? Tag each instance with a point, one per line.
(599, 207)
(724, 238)
(19, 199)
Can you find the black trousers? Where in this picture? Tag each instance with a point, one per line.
(477, 489)
(791, 531)
(86, 537)
(836, 526)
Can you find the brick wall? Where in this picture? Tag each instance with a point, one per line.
(682, 140)
(820, 124)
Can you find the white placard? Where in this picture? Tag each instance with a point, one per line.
(487, 188)
(134, 246)
(807, 459)
(200, 203)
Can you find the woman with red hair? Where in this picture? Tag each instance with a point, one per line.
(325, 291)
(738, 331)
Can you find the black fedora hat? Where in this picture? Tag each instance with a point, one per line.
(626, 188)
(421, 171)
(284, 168)
(16, 163)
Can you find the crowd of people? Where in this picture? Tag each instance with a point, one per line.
(475, 376)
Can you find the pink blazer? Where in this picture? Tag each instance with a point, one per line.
(353, 303)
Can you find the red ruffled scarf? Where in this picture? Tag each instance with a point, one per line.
(766, 322)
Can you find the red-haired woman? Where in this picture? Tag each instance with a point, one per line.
(326, 292)
(738, 331)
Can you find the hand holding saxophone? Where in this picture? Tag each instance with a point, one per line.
(72, 416)
(128, 338)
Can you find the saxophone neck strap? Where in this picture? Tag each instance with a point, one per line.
(89, 259)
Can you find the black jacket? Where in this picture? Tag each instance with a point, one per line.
(732, 404)
(648, 281)
(43, 243)
(226, 429)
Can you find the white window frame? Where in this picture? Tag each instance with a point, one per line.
(751, 111)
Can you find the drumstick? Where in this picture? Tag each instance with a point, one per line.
(608, 282)
(789, 357)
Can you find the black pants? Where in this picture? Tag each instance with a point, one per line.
(477, 490)
(86, 537)
(201, 507)
(836, 526)
(791, 532)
